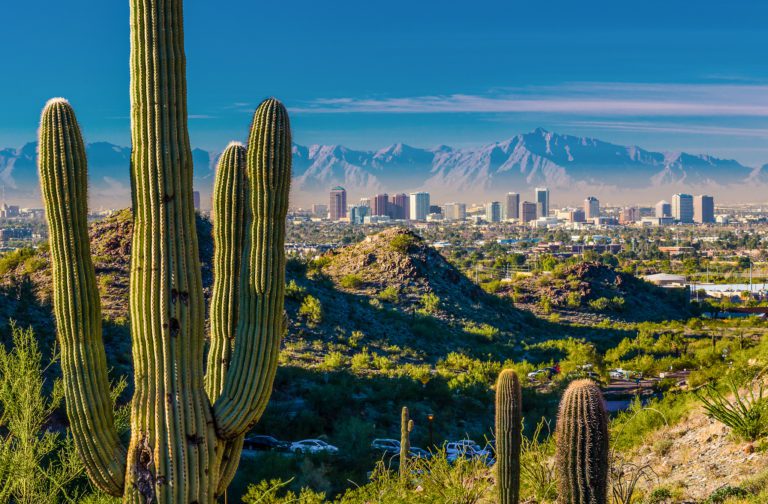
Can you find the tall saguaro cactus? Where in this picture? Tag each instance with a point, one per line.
(186, 428)
(406, 427)
(509, 436)
(582, 445)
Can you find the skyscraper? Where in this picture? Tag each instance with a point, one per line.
(512, 207)
(398, 207)
(682, 208)
(663, 209)
(542, 201)
(338, 204)
(493, 211)
(629, 215)
(704, 209)
(455, 211)
(380, 204)
(527, 211)
(591, 208)
(419, 206)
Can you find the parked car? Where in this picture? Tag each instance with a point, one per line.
(464, 448)
(313, 446)
(539, 374)
(386, 445)
(265, 443)
(421, 453)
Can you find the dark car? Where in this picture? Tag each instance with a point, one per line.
(265, 443)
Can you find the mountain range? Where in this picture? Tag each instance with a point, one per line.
(564, 163)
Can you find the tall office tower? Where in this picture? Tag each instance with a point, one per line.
(398, 207)
(576, 215)
(454, 211)
(682, 208)
(512, 207)
(366, 202)
(357, 214)
(663, 209)
(704, 209)
(419, 206)
(629, 215)
(542, 201)
(338, 204)
(493, 211)
(528, 211)
(320, 210)
(591, 208)
(380, 204)
(196, 199)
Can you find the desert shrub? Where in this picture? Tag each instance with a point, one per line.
(724, 494)
(33, 265)
(333, 361)
(574, 300)
(389, 295)
(599, 304)
(351, 281)
(746, 414)
(362, 360)
(538, 479)
(430, 303)
(491, 287)
(295, 291)
(483, 330)
(312, 310)
(12, 260)
(275, 492)
(402, 243)
(545, 305)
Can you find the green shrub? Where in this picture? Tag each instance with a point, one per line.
(574, 300)
(275, 492)
(12, 260)
(311, 310)
(402, 243)
(484, 331)
(430, 303)
(389, 295)
(334, 361)
(295, 291)
(600, 304)
(352, 281)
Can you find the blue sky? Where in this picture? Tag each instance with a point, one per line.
(666, 75)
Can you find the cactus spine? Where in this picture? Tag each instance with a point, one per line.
(508, 436)
(406, 426)
(582, 445)
(186, 428)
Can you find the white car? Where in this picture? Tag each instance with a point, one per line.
(386, 445)
(464, 448)
(313, 446)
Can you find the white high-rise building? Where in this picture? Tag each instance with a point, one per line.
(542, 201)
(682, 208)
(512, 207)
(419, 206)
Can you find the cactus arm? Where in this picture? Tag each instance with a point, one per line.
(261, 323)
(229, 222)
(172, 456)
(64, 181)
(508, 436)
(230, 210)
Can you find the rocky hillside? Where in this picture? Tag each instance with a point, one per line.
(589, 292)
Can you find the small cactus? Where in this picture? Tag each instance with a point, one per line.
(508, 436)
(406, 426)
(582, 445)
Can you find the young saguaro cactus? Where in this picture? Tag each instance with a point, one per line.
(186, 428)
(582, 445)
(406, 427)
(508, 436)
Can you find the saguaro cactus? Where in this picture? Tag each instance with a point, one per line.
(186, 428)
(582, 445)
(406, 426)
(508, 436)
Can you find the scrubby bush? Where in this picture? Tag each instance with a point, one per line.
(312, 310)
(402, 243)
(351, 281)
(295, 291)
(389, 295)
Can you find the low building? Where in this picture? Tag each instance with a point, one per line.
(666, 280)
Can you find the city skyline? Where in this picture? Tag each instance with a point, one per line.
(405, 87)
